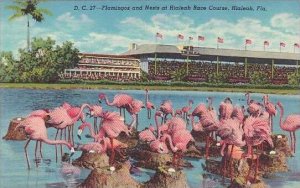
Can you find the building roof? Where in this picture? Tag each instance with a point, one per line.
(152, 48)
(211, 54)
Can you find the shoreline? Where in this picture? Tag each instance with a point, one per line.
(62, 86)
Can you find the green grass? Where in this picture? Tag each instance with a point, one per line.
(152, 86)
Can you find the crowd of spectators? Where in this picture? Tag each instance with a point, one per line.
(235, 72)
(106, 61)
(92, 76)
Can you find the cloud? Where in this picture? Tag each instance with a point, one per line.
(74, 22)
(234, 32)
(286, 21)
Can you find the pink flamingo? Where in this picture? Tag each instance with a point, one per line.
(175, 124)
(112, 126)
(270, 108)
(254, 108)
(60, 119)
(96, 111)
(120, 101)
(196, 126)
(35, 128)
(199, 110)
(231, 133)
(178, 142)
(225, 110)
(290, 124)
(156, 144)
(133, 109)
(185, 110)
(210, 108)
(149, 105)
(257, 131)
(179, 113)
(238, 113)
(93, 147)
(166, 108)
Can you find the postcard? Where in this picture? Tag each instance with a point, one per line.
(140, 93)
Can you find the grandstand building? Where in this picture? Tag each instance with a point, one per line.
(110, 67)
(160, 61)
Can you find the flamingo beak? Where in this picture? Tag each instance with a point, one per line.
(99, 100)
(72, 152)
(79, 133)
(143, 107)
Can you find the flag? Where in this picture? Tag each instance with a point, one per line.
(297, 45)
(220, 40)
(248, 41)
(200, 38)
(282, 44)
(266, 43)
(159, 35)
(190, 38)
(180, 36)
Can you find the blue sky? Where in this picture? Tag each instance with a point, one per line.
(112, 31)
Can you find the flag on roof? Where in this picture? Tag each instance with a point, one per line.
(282, 44)
(201, 38)
(248, 41)
(180, 36)
(266, 43)
(159, 35)
(220, 40)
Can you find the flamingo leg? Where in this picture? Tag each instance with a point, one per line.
(56, 145)
(61, 135)
(256, 168)
(230, 163)
(250, 166)
(224, 159)
(124, 115)
(137, 122)
(149, 114)
(294, 135)
(26, 154)
(36, 147)
(207, 147)
(72, 131)
(291, 140)
(95, 125)
(112, 160)
(41, 149)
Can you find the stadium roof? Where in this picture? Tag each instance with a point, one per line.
(211, 54)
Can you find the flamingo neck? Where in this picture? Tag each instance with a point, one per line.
(157, 126)
(147, 97)
(281, 115)
(168, 137)
(80, 112)
(107, 101)
(55, 142)
(90, 129)
(248, 98)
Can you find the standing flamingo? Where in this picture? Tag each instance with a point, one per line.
(291, 124)
(149, 105)
(133, 109)
(178, 142)
(60, 119)
(166, 108)
(270, 108)
(257, 131)
(112, 126)
(254, 108)
(231, 133)
(225, 110)
(35, 128)
(186, 109)
(120, 101)
(96, 111)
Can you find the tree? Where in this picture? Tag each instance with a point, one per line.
(293, 79)
(259, 78)
(178, 74)
(44, 63)
(28, 8)
(217, 78)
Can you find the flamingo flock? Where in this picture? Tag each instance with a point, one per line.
(240, 131)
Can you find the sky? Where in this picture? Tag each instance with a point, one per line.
(112, 31)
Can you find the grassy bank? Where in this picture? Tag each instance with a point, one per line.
(159, 86)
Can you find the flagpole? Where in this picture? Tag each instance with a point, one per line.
(294, 48)
(264, 47)
(217, 45)
(245, 47)
(280, 48)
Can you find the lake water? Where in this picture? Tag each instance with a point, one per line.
(20, 102)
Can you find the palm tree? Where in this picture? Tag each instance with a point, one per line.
(28, 8)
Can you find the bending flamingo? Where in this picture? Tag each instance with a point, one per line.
(290, 124)
(120, 101)
(133, 109)
(178, 142)
(156, 144)
(166, 108)
(35, 128)
(149, 105)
